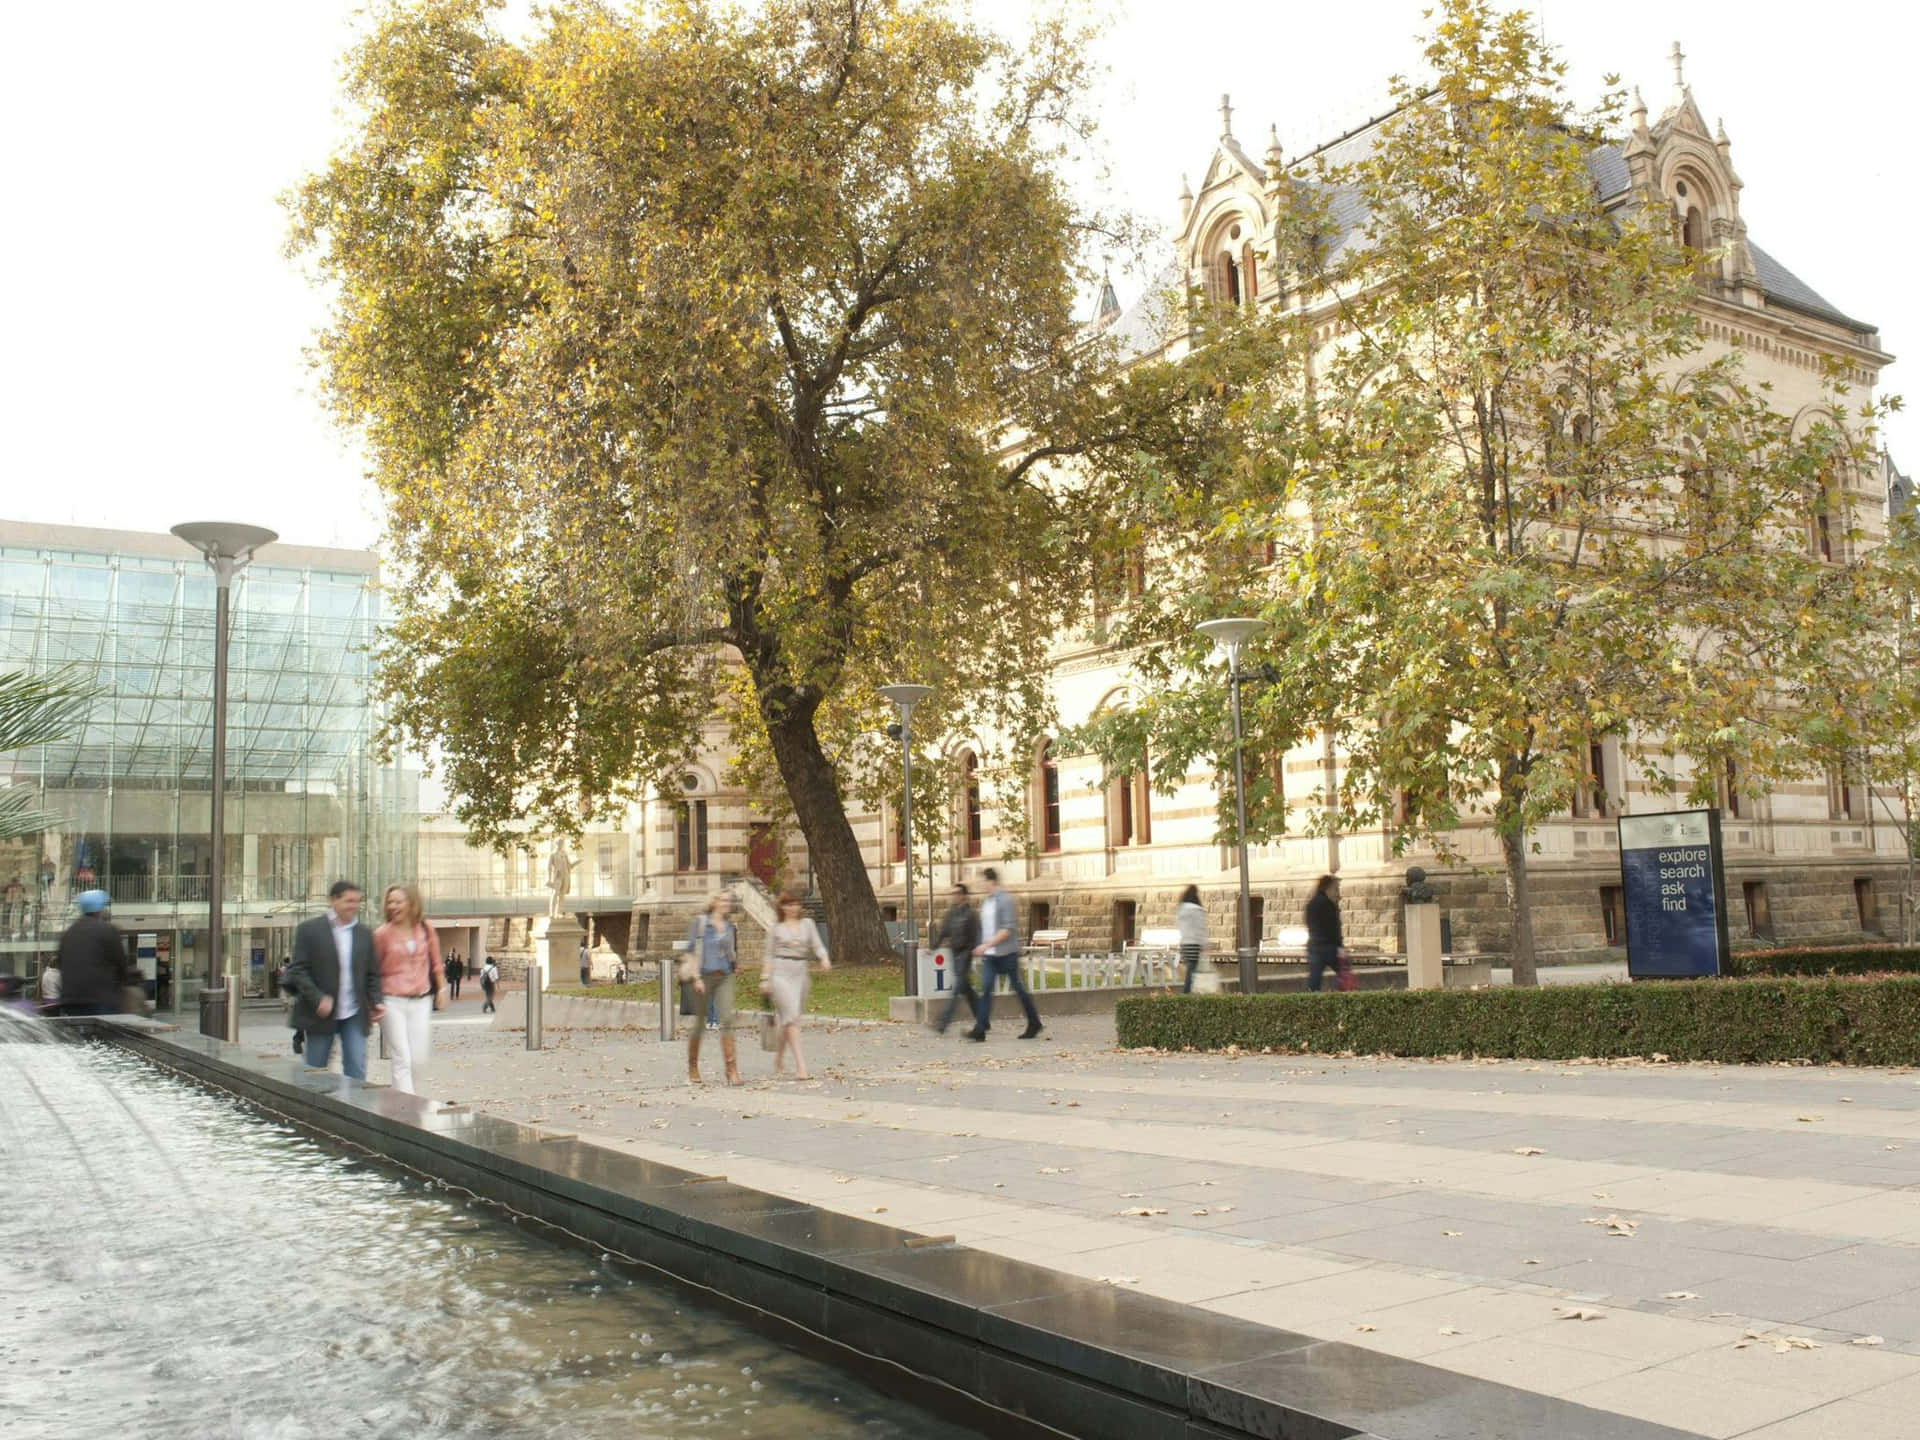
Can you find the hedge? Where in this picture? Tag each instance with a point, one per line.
(1839, 960)
(1853, 1022)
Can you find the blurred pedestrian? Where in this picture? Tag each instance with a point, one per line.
(1000, 950)
(336, 983)
(1325, 944)
(412, 980)
(456, 972)
(92, 960)
(586, 966)
(50, 984)
(792, 943)
(713, 946)
(959, 937)
(1191, 918)
(489, 978)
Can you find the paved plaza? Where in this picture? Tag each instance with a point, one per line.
(1730, 1251)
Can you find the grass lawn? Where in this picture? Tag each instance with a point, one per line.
(854, 992)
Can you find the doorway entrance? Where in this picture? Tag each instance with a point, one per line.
(762, 858)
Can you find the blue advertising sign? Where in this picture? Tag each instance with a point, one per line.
(1675, 893)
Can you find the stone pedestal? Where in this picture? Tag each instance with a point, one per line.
(558, 950)
(1426, 967)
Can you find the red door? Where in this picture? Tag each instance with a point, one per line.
(760, 853)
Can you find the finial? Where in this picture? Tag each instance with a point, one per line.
(1109, 301)
(1186, 190)
(1274, 156)
(1226, 117)
(1720, 133)
(1679, 67)
(1639, 111)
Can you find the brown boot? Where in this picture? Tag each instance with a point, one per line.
(693, 1054)
(732, 1059)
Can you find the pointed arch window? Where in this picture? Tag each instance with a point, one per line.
(1049, 798)
(970, 804)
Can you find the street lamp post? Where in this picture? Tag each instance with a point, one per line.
(904, 698)
(227, 548)
(1230, 636)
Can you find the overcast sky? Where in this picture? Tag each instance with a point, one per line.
(154, 335)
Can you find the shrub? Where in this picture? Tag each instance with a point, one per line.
(1840, 960)
(1854, 1022)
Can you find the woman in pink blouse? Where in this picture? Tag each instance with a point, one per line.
(413, 981)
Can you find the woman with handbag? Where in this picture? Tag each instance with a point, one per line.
(793, 942)
(407, 954)
(710, 963)
(1191, 918)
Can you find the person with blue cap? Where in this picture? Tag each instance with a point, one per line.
(92, 960)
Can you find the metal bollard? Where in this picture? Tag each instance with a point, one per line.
(233, 1010)
(535, 996)
(667, 1026)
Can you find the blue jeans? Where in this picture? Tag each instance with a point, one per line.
(992, 967)
(353, 1047)
(962, 991)
(1320, 959)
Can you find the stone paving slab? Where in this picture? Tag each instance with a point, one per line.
(1379, 1203)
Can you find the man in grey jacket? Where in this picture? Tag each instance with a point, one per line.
(336, 987)
(1000, 955)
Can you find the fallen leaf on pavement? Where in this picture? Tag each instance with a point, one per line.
(1201, 1211)
(1366, 1327)
(1450, 1232)
(1119, 1279)
(1806, 1119)
(1579, 1312)
(879, 1209)
(1867, 1340)
(1449, 1330)
(1679, 1295)
(1143, 1210)
(1528, 1150)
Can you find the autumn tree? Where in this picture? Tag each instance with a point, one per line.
(1517, 503)
(685, 338)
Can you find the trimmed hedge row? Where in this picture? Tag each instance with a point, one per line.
(1853, 1022)
(1839, 960)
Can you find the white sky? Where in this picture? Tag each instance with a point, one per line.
(153, 367)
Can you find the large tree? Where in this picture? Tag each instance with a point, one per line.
(686, 338)
(1517, 505)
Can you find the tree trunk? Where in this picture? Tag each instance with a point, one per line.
(1513, 846)
(855, 930)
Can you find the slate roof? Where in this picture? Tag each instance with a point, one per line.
(1141, 326)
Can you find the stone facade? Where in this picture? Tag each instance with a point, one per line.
(1823, 870)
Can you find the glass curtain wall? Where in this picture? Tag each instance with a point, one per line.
(306, 802)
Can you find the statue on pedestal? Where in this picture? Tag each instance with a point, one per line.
(559, 879)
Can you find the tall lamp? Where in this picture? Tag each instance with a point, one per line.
(904, 698)
(227, 548)
(1230, 636)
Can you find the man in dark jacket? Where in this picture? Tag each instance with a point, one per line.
(92, 960)
(336, 988)
(959, 936)
(1324, 941)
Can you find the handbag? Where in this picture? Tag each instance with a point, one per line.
(1346, 979)
(687, 969)
(769, 1032)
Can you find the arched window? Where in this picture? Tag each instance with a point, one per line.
(1229, 280)
(970, 803)
(1693, 229)
(1048, 787)
(1249, 273)
(1130, 808)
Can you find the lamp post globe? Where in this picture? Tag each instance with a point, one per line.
(1231, 635)
(904, 698)
(226, 546)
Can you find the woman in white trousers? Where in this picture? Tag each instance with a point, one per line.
(413, 982)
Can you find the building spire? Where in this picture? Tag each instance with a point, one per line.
(1679, 67)
(1274, 156)
(1226, 117)
(1109, 310)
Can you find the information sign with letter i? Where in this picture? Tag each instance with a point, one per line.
(1676, 894)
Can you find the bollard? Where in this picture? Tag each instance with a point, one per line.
(666, 999)
(233, 1010)
(536, 978)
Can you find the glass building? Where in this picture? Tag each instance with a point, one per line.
(307, 801)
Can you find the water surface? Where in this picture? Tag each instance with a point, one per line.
(177, 1265)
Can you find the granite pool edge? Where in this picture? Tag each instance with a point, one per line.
(1006, 1347)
